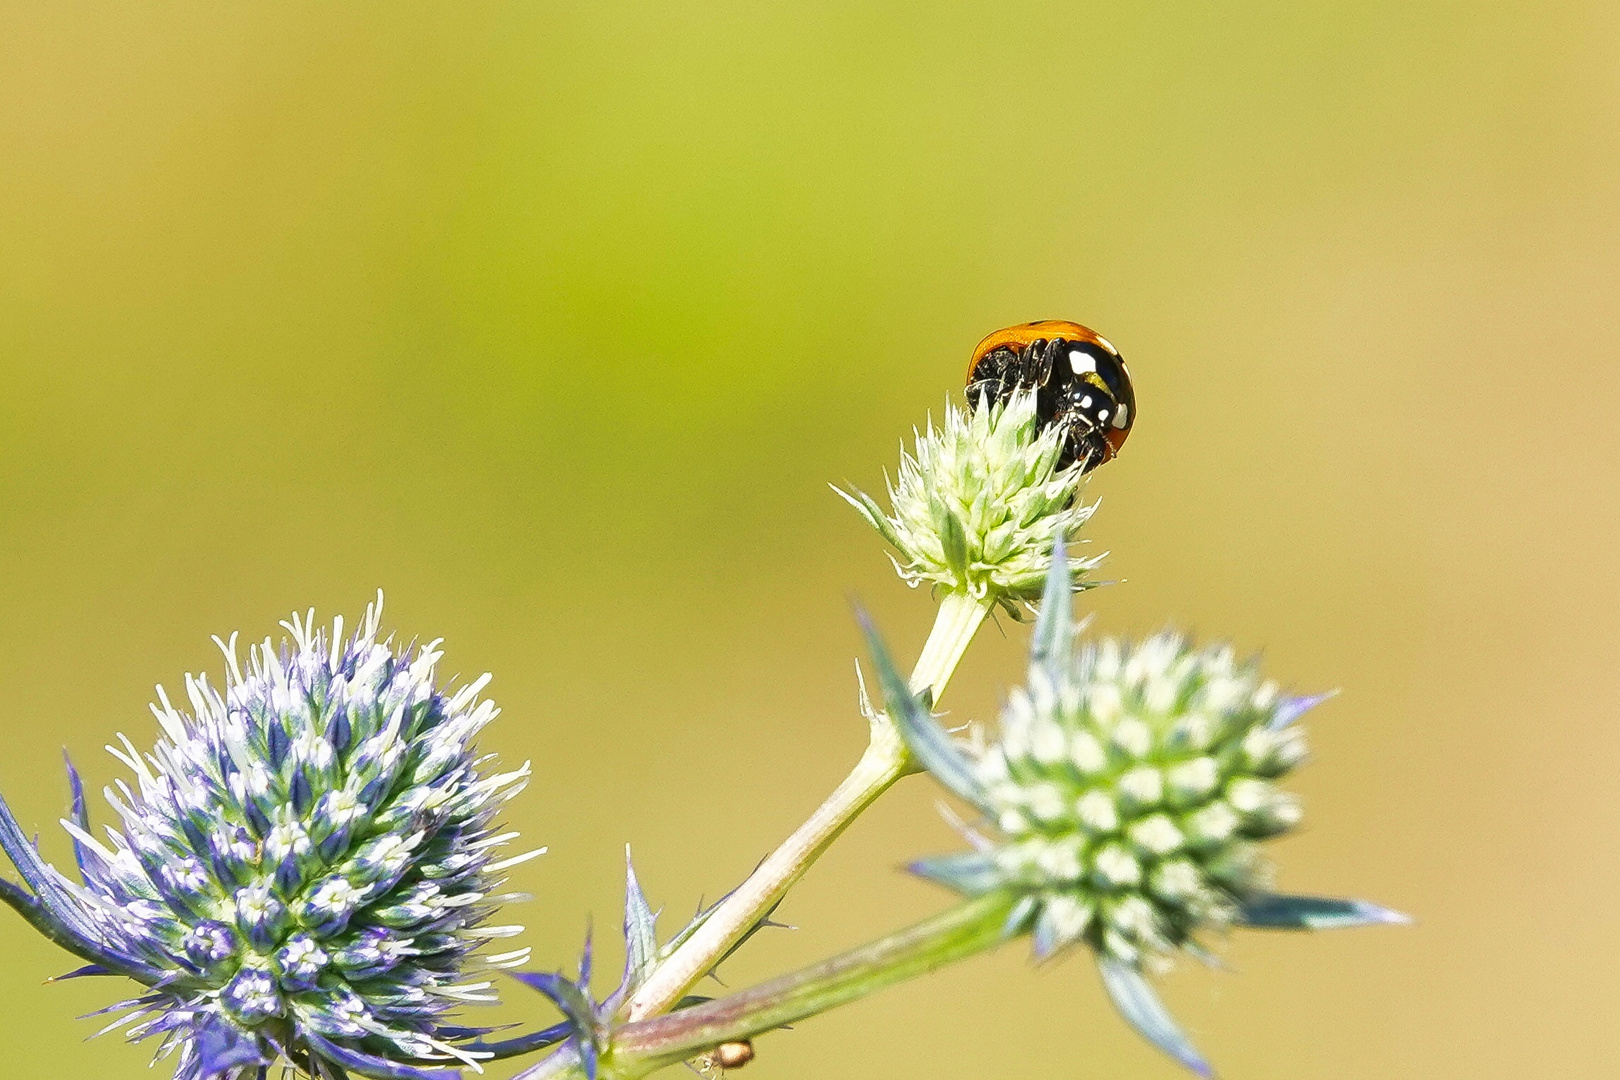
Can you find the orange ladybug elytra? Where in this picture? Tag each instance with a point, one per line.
(1079, 380)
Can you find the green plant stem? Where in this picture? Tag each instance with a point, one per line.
(959, 618)
(960, 932)
(884, 762)
(641, 1048)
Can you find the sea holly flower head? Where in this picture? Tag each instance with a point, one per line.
(1132, 786)
(305, 869)
(976, 503)
(1125, 799)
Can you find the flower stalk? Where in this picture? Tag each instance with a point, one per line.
(646, 1046)
(886, 760)
(955, 934)
(959, 618)
(1120, 808)
(974, 510)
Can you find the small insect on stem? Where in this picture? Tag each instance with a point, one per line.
(734, 1055)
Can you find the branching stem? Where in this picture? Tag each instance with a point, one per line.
(884, 762)
(962, 931)
(644, 1047)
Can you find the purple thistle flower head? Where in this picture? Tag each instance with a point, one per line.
(304, 869)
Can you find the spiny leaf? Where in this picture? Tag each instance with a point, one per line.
(39, 876)
(1018, 919)
(85, 972)
(922, 734)
(1291, 709)
(564, 993)
(763, 922)
(1054, 627)
(1270, 911)
(868, 508)
(64, 926)
(972, 873)
(640, 933)
(1143, 1010)
(81, 817)
(523, 1044)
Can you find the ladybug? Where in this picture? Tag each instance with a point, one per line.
(1079, 379)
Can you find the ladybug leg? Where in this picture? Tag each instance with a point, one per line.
(1082, 442)
(1038, 364)
(996, 377)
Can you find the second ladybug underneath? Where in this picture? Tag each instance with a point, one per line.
(1079, 379)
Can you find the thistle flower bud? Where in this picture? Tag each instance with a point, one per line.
(1132, 785)
(1150, 807)
(305, 865)
(977, 502)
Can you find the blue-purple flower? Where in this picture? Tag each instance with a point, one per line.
(306, 868)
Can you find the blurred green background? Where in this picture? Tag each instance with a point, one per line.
(554, 320)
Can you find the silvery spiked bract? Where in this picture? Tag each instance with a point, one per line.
(305, 868)
(588, 1025)
(977, 503)
(1129, 788)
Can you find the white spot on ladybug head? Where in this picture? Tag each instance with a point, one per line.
(1102, 414)
(1082, 362)
(1085, 402)
(1123, 417)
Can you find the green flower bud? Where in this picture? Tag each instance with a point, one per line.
(976, 504)
(1157, 760)
(1132, 784)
